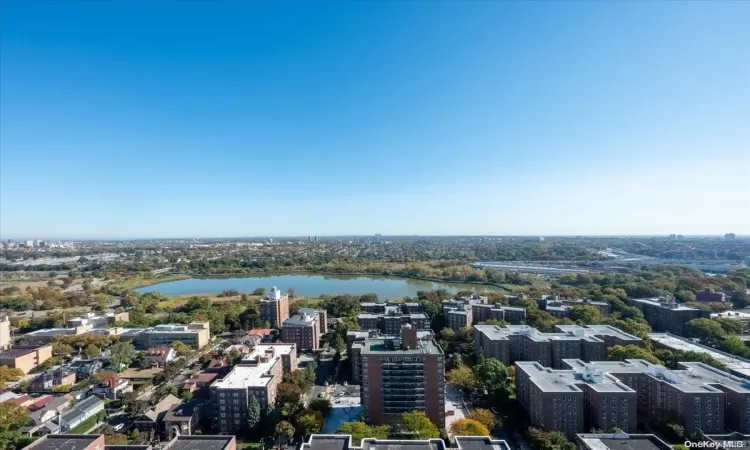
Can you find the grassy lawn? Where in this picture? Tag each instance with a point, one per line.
(141, 281)
(87, 424)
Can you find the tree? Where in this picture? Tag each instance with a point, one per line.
(92, 351)
(186, 394)
(288, 398)
(260, 291)
(623, 352)
(284, 429)
(709, 331)
(462, 377)
(122, 354)
(9, 374)
(585, 315)
(469, 427)
(182, 348)
(310, 422)
(485, 417)
(419, 425)
(491, 376)
(321, 404)
(253, 413)
(62, 349)
(302, 378)
(548, 440)
(361, 430)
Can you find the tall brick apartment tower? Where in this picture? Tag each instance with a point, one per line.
(274, 309)
(401, 375)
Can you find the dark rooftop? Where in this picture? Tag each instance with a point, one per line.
(200, 442)
(327, 442)
(480, 443)
(64, 442)
(622, 441)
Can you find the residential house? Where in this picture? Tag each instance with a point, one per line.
(198, 384)
(22, 400)
(152, 419)
(53, 378)
(160, 356)
(76, 414)
(112, 387)
(218, 365)
(44, 419)
(86, 368)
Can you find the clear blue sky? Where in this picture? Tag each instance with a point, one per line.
(202, 118)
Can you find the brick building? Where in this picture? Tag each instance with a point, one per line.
(669, 316)
(274, 309)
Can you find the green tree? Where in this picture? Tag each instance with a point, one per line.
(491, 376)
(469, 427)
(284, 429)
(288, 398)
(310, 422)
(62, 349)
(253, 413)
(92, 351)
(462, 377)
(585, 315)
(186, 394)
(122, 354)
(321, 404)
(418, 425)
(709, 331)
(623, 352)
(548, 440)
(361, 430)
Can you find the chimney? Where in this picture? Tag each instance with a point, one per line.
(408, 337)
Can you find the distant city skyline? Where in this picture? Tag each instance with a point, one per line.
(137, 120)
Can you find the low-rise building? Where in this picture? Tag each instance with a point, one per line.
(47, 335)
(98, 321)
(152, 419)
(112, 387)
(257, 375)
(202, 442)
(76, 414)
(561, 307)
(160, 356)
(199, 383)
(25, 357)
(86, 368)
(667, 316)
(53, 378)
(44, 419)
(181, 419)
(524, 343)
(195, 334)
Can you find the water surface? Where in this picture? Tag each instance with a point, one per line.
(312, 285)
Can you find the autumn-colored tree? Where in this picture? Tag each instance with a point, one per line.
(469, 427)
(419, 425)
(462, 377)
(485, 417)
(9, 374)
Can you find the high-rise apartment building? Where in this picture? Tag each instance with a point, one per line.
(402, 375)
(258, 375)
(355, 341)
(699, 396)
(482, 312)
(305, 328)
(390, 321)
(274, 309)
(523, 343)
(669, 316)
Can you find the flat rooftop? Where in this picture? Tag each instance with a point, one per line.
(564, 332)
(656, 301)
(738, 366)
(51, 332)
(622, 441)
(379, 346)
(64, 442)
(551, 380)
(200, 442)
(694, 377)
(251, 372)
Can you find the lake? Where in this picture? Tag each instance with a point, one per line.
(312, 285)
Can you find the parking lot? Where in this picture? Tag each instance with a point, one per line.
(345, 395)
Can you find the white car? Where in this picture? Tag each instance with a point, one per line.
(119, 426)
